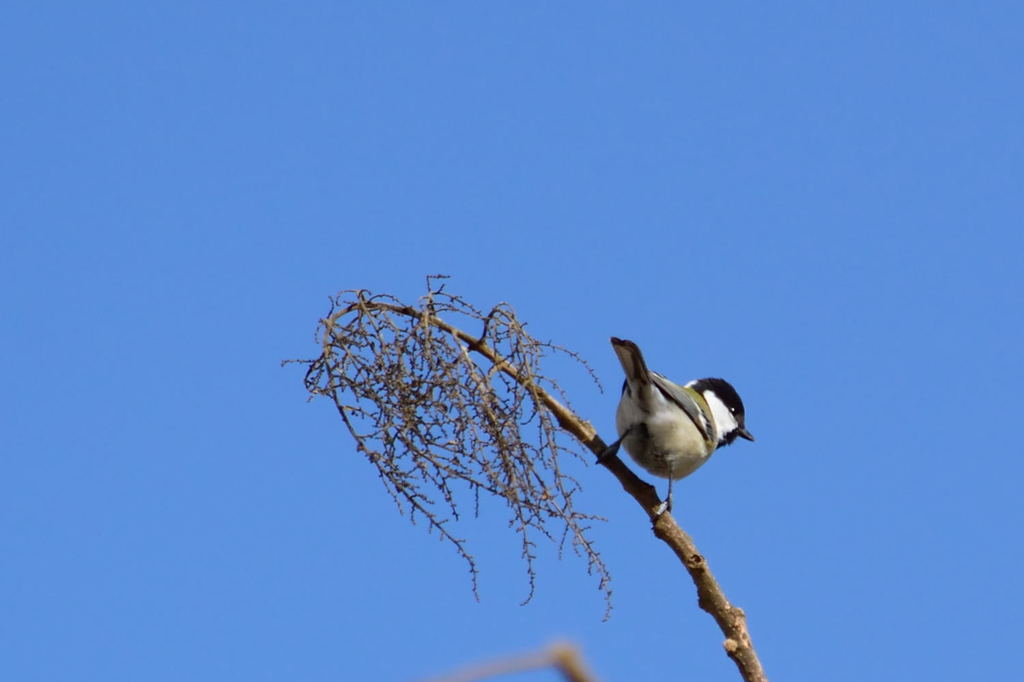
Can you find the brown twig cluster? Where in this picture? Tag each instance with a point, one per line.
(436, 408)
(440, 412)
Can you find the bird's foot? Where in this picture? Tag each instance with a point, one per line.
(663, 508)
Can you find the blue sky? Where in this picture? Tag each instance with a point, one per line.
(820, 203)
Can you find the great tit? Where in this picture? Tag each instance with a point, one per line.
(668, 429)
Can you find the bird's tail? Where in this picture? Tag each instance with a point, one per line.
(632, 361)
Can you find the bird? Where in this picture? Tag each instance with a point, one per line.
(668, 429)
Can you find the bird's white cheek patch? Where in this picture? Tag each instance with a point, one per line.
(723, 417)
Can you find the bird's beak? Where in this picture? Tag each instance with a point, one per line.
(743, 433)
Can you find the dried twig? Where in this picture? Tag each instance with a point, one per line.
(411, 389)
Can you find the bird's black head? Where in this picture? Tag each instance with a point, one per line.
(726, 407)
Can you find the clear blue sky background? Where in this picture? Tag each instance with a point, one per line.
(820, 202)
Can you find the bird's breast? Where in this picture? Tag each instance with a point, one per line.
(663, 441)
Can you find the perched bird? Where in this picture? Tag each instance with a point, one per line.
(668, 429)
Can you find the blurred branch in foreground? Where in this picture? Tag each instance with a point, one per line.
(437, 409)
(563, 657)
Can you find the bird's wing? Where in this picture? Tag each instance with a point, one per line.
(687, 400)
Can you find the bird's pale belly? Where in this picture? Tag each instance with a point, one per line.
(679, 452)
